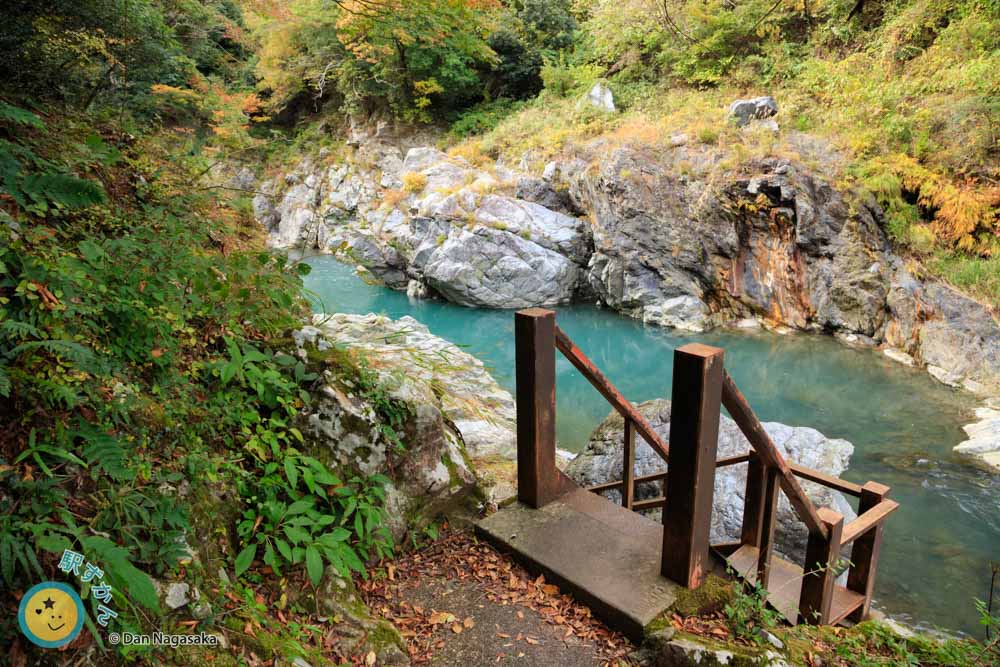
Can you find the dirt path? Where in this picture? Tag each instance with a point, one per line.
(460, 602)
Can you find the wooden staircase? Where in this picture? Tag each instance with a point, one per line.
(701, 386)
(785, 586)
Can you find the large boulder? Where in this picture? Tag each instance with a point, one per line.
(960, 342)
(601, 461)
(556, 231)
(744, 111)
(493, 268)
(454, 412)
(957, 338)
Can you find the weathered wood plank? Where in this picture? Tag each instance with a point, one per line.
(694, 431)
(753, 505)
(535, 367)
(828, 481)
(864, 553)
(769, 513)
(732, 460)
(628, 465)
(869, 519)
(819, 576)
(745, 418)
(649, 504)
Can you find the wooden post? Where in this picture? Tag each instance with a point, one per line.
(819, 575)
(628, 465)
(864, 553)
(535, 361)
(694, 433)
(753, 504)
(768, 515)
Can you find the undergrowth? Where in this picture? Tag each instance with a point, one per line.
(144, 350)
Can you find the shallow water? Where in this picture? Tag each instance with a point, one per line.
(937, 547)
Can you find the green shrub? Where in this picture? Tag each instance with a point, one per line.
(564, 80)
(484, 117)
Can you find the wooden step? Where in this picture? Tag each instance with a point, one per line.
(785, 585)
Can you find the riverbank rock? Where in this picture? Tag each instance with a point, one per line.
(682, 235)
(777, 243)
(601, 461)
(495, 269)
(448, 225)
(357, 633)
(984, 437)
(454, 413)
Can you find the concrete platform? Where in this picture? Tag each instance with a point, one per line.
(604, 555)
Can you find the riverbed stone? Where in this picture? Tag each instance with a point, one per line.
(984, 438)
(601, 461)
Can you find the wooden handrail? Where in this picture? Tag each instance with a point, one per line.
(828, 481)
(612, 486)
(868, 520)
(732, 460)
(745, 418)
(610, 393)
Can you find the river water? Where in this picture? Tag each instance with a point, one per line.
(903, 424)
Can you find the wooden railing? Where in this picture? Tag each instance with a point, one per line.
(635, 422)
(827, 534)
(700, 387)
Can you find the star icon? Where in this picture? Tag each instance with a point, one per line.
(49, 603)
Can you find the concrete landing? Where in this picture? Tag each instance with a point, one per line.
(604, 555)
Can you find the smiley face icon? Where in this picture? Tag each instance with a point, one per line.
(51, 614)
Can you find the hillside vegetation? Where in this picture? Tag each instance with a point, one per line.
(145, 365)
(908, 91)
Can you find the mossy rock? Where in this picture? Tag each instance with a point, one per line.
(710, 597)
(214, 513)
(679, 649)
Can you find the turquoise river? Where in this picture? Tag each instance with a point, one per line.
(938, 547)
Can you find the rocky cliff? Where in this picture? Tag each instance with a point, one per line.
(686, 236)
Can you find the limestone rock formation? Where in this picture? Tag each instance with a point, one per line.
(601, 461)
(456, 412)
(496, 269)
(667, 235)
